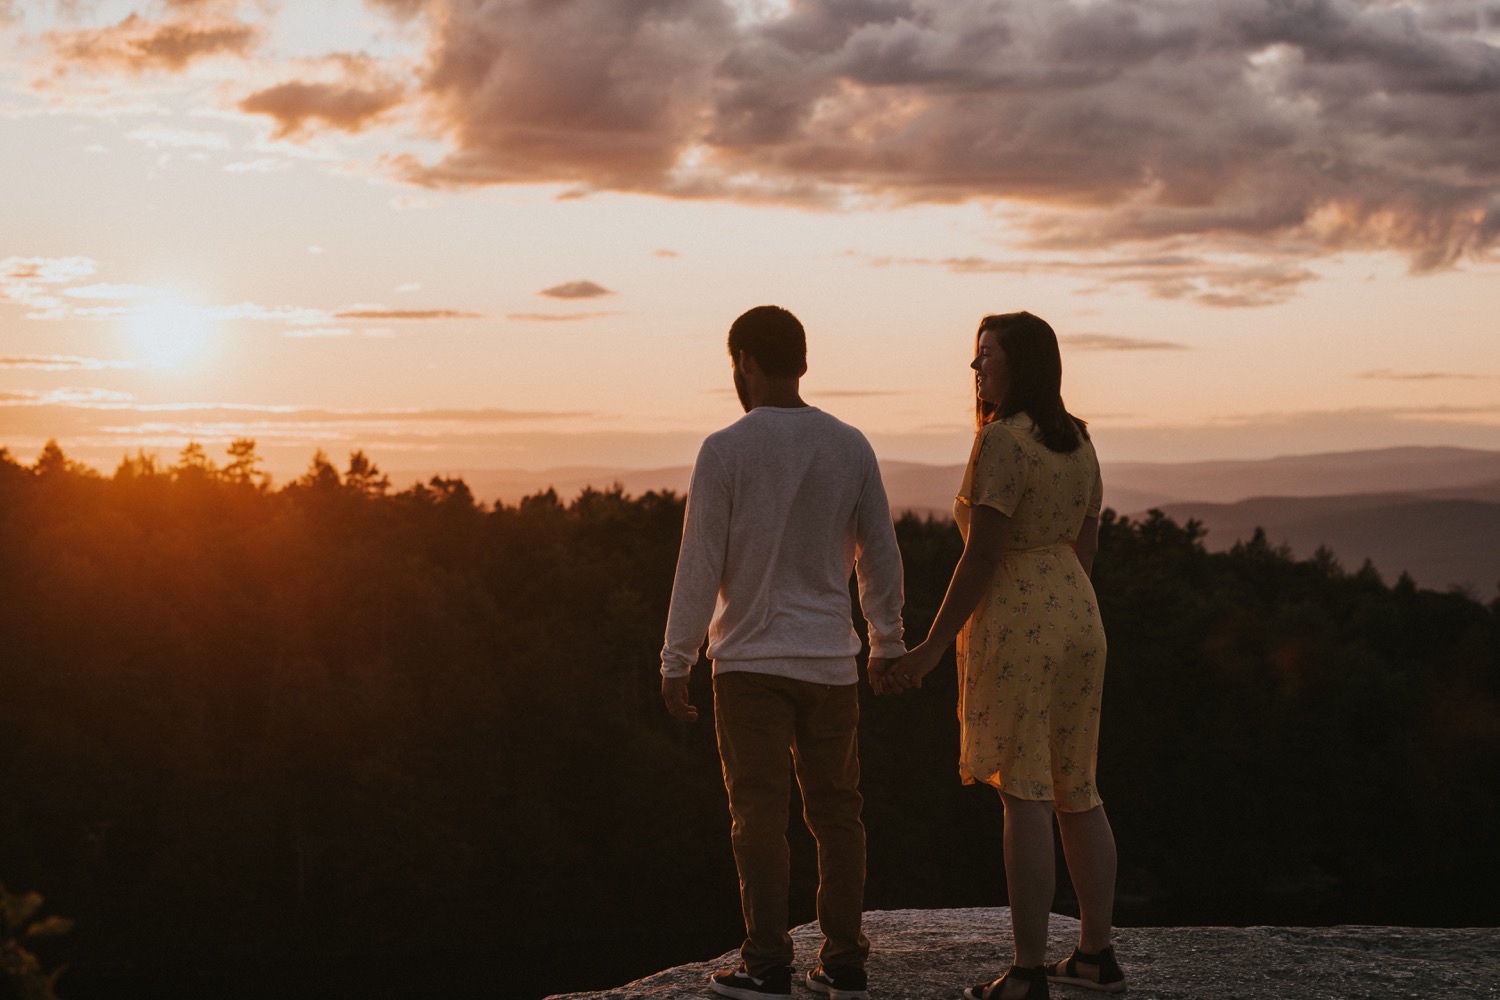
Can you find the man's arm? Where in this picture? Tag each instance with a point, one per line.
(695, 588)
(877, 567)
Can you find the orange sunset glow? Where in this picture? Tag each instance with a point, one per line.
(463, 236)
(359, 637)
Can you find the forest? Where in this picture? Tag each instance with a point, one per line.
(336, 738)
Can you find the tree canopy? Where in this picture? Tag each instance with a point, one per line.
(339, 738)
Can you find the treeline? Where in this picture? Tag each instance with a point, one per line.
(337, 739)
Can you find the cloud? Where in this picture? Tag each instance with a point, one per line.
(406, 314)
(48, 287)
(575, 290)
(401, 8)
(1113, 342)
(33, 281)
(165, 137)
(603, 93)
(296, 106)
(556, 317)
(1231, 279)
(1334, 124)
(109, 291)
(138, 45)
(260, 165)
(46, 270)
(1386, 375)
(59, 363)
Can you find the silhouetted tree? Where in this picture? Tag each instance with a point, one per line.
(335, 739)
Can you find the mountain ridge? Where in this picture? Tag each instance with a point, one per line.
(1431, 512)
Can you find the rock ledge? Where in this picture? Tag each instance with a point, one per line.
(934, 954)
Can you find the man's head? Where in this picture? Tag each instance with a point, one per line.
(772, 340)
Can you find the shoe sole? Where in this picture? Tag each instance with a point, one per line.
(835, 994)
(1088, 984)
(739, 994)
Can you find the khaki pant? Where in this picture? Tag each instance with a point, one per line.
(761, 718)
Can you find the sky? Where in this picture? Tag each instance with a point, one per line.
(479, 234)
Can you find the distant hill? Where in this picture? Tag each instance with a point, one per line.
(1383, 470)
(1442, 543)
(1433, 512)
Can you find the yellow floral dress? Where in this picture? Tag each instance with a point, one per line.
(1031, 657)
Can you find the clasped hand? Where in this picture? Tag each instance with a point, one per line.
(893, 676)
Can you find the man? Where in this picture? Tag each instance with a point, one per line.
(782, 505)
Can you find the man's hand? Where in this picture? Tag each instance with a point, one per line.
(907, 672)
(879, 669)
(674, 691)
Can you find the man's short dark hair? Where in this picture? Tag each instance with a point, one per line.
(774, 338)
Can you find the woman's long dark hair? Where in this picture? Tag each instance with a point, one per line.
(1034, 366)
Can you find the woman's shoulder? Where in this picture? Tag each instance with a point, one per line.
(1018, 427)
(1013, 424)
(1008, 441)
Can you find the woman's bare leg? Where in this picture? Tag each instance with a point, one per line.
(1030, 875)
(1089, 849)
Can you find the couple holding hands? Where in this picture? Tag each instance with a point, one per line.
(782, 505)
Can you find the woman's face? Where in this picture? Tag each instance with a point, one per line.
(992, 376)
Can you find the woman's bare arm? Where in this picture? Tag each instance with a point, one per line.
(1087, 543)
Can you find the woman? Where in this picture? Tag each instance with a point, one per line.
(1030, 649)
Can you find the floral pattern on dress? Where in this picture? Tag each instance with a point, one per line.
(1031, 658)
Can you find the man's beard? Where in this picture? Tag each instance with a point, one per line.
(742, 390)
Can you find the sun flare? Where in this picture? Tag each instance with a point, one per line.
(170, 333)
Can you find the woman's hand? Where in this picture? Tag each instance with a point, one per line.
(911, 668)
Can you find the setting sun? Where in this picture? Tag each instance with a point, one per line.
(169, 333)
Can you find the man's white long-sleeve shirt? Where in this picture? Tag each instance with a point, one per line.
(782, 505)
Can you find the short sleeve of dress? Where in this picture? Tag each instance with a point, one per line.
(1096, 496)
(996, 475)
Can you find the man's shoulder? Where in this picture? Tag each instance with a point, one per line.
(727, 436)
(834, 427)
(766, 425)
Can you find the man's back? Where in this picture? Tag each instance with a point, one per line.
(782, 504)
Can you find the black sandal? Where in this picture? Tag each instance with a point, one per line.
(1036, 984)
(1111, 979)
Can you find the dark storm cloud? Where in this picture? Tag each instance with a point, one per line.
(1337, 123)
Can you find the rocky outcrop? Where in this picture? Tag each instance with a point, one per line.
(934, 954)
